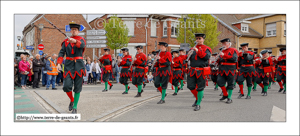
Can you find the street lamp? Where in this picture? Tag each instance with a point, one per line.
(19, 38)
(184, 18)
(41, 26)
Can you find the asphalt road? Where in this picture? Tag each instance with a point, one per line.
(179, 108)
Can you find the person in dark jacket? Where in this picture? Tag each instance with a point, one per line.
(44, 70)
(37, 69)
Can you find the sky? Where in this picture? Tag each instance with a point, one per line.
(21, 20)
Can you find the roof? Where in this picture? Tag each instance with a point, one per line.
(228, 19)
(32, 21)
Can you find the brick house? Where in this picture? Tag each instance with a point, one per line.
(50, 37)
(146, 30)
(260, 31)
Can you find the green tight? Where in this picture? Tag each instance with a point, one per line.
(106, 85)
(200, 96)
(126, 88)
(76, 99)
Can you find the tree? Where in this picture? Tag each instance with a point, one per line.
(117, 33)
(199, 23)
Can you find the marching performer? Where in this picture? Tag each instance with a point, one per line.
(163, 73)
(140, 62)
(74, 68)
(247, 70)
(185, 68)
(177, 70)
(214, 70)
(125, 71)
(255, 67)
(199, 62)
(264, 71)
(281, 70)
(271, 78)
(228, 65)
(106, 60)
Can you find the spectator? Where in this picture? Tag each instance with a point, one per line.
(95, 70)
(19, 75)
(24, 68)
(89, 71)
(62, 70)
(149, 62)
(150, 77)
(99, 74)
(118, 69)
(37, 69)
(44, 70)
(113, 59)
(31, 74)
(52, 72)
(16, 73)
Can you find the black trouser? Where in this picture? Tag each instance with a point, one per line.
(214, 78)
(265, 80)
(68, 84)
(37, 77)
(163, 80)
(124, 79)
(176, 79)
(221, 81)
(105, 76)
(138, 76)
(241, 79)
(281, 77)
(193, 80)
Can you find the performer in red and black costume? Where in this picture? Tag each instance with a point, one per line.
(163, 73)
(200, 69)
(255, 67)
(271, 78)
(247, 70)
(177, 66)
(214, 70)
(281, 70)
(106, 60)
(228, 65)
(74, 68)
(264, 71)
(184, 68)
(125, 71)
(140, 62)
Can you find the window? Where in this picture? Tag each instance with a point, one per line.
(174, 28)
(244, 27)
(271, 29)
(153, 28)
(130, 25)
(165, 28)
(284, 32)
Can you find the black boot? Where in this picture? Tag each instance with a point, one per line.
(216, 89)
(223, 98)
(174, 94)
(240, 96)
(228, 101)
(125, 92)
(280, 90)
(221, 94)
(110, 87)
(144, 85)
(104, 90)
(197, 108)
(71, 106)
(253, 89)
(142, 91)
(248, 97)
(161, 102)
(194, 104)
(284, 92)
(265, 94)
(269, 87)
(128, 88)
(74, 111)
(138, 95)
(262, 91)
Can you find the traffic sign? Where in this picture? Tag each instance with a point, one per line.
(41, 52)
(40, 46)
(95, 32)
(79, 34)
(95, 41)
(96, 37)
(29, 47)
(95, 45)
(68, 29)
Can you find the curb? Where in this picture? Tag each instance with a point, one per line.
(54, 106)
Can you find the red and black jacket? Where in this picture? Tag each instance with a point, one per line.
(107, 63)
(183, 57)
(140, 63)
(264, 67)
(246, 64)
(177, 68)
(164, 64)
(281, 62)
(199, 59)
(126, 62)
(228, 63)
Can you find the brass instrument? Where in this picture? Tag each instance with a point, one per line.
(191, 52)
